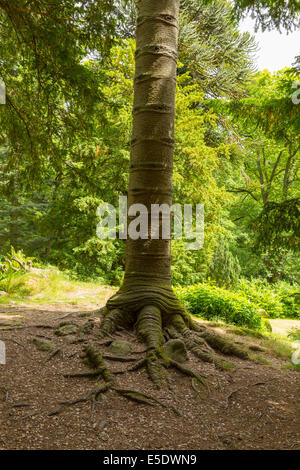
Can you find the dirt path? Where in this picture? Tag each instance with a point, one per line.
(255, 406)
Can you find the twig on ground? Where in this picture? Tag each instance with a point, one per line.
(119, 358)
(229, 397)
(21, 405)
(51, 356)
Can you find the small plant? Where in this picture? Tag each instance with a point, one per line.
(295, 367)
(13, 269)
(15, 261)
(294, 334)
(262, 360)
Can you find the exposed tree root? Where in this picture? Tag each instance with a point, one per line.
(189, 372)
(154, 326)
(162, 319)
(92, 373)
(112, 320)
(56, 411)
(52, 355)
(94, 359)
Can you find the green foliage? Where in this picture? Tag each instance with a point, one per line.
(294, 334)
(280, 300)
(58, 223)
(278, 226)
(263, 176)
(270, 13)
(49, 87)
(13, 269)
(102, 260)
(278, 348)
(188, 267)
(224, 268)
(211, 302)
(66, 63)
(13, 283)
(211, 48)
(15, 261)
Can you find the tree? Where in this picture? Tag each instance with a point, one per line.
(267, 183)
(210, 45)
(146, 298)
(49, 88)
(270, 13)
(60, 221)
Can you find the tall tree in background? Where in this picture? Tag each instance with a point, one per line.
(71, 168)
(43, 46)
(270, 14)
(268, 124)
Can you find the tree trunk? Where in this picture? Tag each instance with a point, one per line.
(13, 225)
(148, 262)
(152, 151)
(146, 300)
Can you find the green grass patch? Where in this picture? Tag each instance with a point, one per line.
(295, 367)
(40, 286)
(294, 334)
(278, 347)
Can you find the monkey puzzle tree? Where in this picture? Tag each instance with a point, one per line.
(146, 298)
(50, 39)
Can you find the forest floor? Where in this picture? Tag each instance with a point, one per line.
(254, 406)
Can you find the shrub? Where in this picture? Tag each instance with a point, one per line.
(280, 300)
(13, 269)
(210, 302)
(224, 268)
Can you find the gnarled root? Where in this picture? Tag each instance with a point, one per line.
(156, 322)
(111, 322)
(165, 318)
(149, 330)
(105, 382)
(203, 343)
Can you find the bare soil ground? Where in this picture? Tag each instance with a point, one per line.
(254, 406)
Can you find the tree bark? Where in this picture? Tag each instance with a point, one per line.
(148, 261)
(153, 132)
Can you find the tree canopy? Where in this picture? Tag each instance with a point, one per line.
(63, 66)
